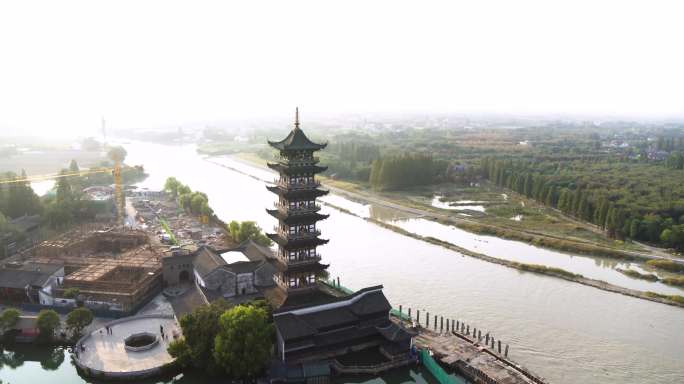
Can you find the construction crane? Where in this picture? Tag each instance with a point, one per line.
(116, 172)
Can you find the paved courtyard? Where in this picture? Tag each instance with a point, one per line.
(106, 353)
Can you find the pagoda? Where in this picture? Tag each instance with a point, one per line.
(297, 259)
(316, 322)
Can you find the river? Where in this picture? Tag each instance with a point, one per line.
(566, 332)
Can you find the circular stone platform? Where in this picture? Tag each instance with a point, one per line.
(110, 356)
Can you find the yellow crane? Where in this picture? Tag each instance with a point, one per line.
(116, 172)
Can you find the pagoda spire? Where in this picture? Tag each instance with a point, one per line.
(296, 118)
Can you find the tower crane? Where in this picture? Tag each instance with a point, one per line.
(116, 172)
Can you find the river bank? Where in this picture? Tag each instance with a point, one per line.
(490, 226)
(567, 332)
(670, 298)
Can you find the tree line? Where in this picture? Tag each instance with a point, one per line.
(675, 160)
(66, 204)
(47, 322)
(396, 172)
(601, 206)
(350, 159)
(194, 202)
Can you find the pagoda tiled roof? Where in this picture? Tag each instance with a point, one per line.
(296, 243)
(292, 169)
(296, 141)
(308, 267)
(308, 218)
(297, 193)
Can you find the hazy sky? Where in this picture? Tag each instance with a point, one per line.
(64, 64)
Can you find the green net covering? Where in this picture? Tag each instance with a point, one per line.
(437, 372)
(400, 315)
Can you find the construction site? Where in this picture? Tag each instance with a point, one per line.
(111, 267)
(108, 269)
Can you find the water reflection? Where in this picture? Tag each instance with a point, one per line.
(42, 187)
(461, 205)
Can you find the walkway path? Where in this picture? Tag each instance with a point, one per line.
(106, 353)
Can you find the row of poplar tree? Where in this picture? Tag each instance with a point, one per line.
(397, 172)
(619, 222)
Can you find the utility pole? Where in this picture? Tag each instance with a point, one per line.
(104, 132)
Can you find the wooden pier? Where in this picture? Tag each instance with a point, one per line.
(474, 359)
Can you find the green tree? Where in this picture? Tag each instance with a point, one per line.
(78, 319)
(184, 189)
(634, 228)
(58, 215)
(198, 200)
(65, 194)
(71, 293)
(184, 200)
(247, 230)
(117, 154)
(181, 351)
(53, 361)
(206, 210)
(244, 342)
(73, 166)
(9, 318)
(171, 186)
(47, 322)
(200, 328)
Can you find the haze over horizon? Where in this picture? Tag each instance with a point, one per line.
(156, 64)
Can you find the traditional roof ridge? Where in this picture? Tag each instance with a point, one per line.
(304, 218)
(289, 169)
(306, 308)
(287, 242)
(280, 191)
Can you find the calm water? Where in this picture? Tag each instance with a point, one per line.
(30, 365)
(564, 331)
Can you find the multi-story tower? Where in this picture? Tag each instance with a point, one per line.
(297, 260)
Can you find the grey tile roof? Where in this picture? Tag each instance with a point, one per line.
(296, 140)
(19, 279)
(294, 324)
(207, 260)
(244, 266)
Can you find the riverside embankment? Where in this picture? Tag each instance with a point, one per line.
(567, 332)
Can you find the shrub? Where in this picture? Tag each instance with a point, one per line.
(667, 265)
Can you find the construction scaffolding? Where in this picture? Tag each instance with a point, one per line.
(108, 266)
